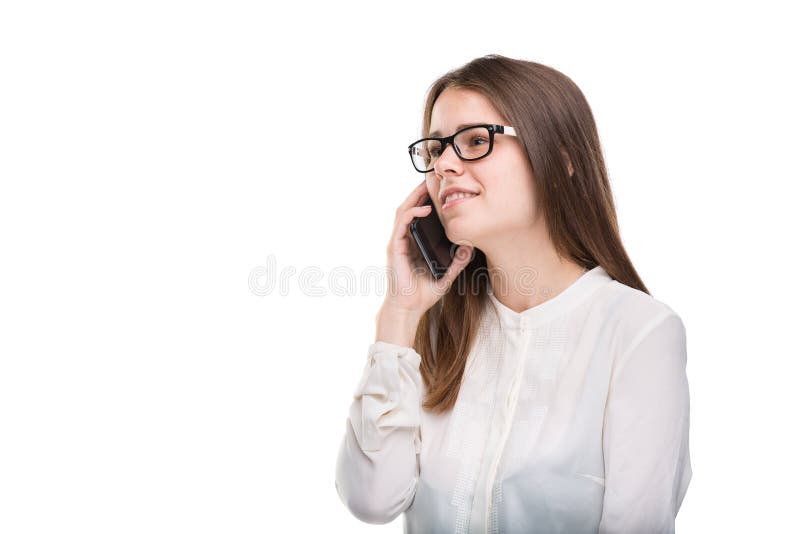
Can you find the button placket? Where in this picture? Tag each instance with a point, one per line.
(510, 409)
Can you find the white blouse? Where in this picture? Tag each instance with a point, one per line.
(573, 417)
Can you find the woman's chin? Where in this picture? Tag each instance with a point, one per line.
(460, 236)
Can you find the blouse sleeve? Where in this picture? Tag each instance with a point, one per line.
(646, 433)
(377, 467)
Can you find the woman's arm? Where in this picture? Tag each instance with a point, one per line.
(646, 433)
(377, 468)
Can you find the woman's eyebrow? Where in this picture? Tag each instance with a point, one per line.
(437, 134)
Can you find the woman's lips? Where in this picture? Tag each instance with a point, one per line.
(456, 202)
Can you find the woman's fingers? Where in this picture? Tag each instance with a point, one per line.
(413, 199)
(401, 227)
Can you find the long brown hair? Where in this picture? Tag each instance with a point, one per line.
(551, 118)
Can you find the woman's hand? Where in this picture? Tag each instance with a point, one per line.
(412, 290)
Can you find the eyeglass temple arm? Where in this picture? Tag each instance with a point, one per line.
(507, 130)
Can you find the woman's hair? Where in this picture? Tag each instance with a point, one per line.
(552, 119)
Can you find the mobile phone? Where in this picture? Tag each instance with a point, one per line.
(432, 241)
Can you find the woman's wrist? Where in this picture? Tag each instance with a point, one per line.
(396, 326)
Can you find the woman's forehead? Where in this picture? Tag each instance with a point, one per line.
(457, 107)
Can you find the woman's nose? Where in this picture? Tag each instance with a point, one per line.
(447, 159)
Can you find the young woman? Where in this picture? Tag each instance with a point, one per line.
(537, 386)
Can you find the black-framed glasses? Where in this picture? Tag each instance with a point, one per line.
(470, 143)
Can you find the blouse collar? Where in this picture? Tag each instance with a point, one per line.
(568, 299)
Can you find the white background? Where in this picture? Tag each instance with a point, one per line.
(155, 155)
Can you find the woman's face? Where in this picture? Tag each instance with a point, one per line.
(503, 180)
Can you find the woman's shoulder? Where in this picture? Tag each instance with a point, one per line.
(631, 309)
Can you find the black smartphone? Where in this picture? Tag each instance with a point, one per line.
(433, 244)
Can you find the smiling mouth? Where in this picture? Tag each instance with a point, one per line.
(456, 199)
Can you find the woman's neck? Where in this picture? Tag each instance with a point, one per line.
(529, 272)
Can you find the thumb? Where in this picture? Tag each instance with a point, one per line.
(462, 258)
